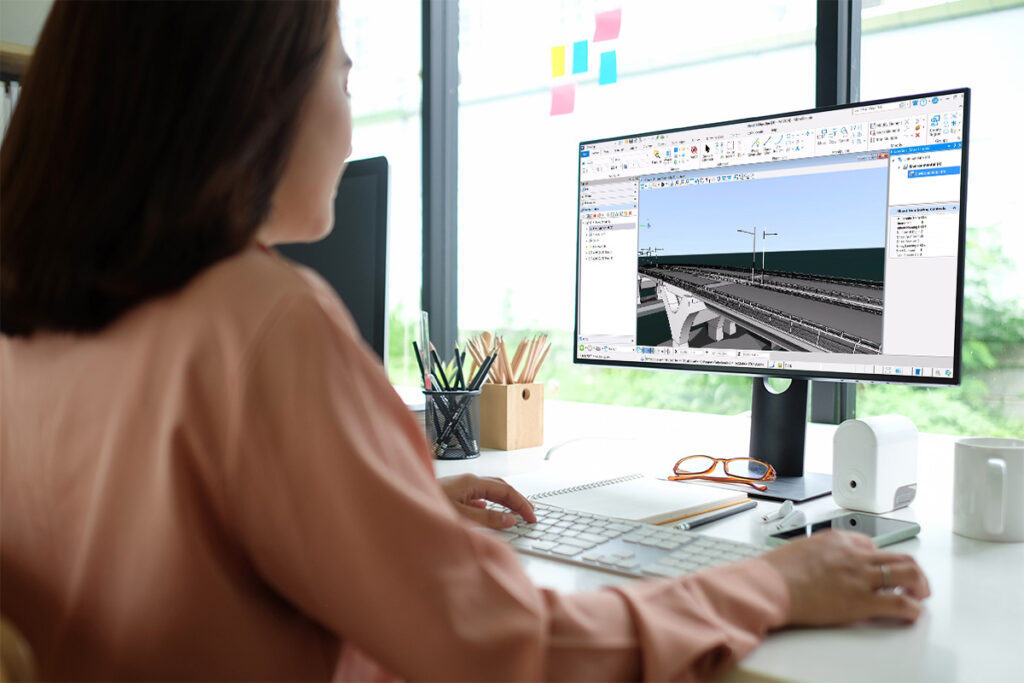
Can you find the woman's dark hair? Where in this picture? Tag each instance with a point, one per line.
(146, 145)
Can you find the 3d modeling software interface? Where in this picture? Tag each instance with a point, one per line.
(823, 242)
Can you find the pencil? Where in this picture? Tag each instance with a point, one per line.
(460, 379)
(518, 357)
(540, 361)
(480, 360)
(485, 353)
(480, 376)
(527, 346)
(721, 514)
(419, 359)
(477, 356)
(439, 366)
(531, 357)
(476, 360)
(497, 369)
(505, 365)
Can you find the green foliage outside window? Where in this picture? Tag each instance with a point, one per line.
(993, 357)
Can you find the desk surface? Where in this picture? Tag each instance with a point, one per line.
(972, 626)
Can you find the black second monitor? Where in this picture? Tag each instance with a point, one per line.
(353, 257)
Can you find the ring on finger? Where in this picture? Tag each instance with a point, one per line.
(886, 578)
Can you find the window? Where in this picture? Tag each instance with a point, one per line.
(988, 59)
(676, 64)
(385, 48)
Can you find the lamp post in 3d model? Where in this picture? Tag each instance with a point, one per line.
(753, 252)
(651, 252)
(764, 245)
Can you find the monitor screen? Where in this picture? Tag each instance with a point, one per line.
(353, 257)
(825, 243)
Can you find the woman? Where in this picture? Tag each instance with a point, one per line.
(205, 473)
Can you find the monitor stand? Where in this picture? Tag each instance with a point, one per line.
(778, 426)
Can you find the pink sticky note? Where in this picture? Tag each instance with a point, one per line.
(608, 24)
(563, 99)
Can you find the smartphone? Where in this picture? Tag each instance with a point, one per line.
(882, 530)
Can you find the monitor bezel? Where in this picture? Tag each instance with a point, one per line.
(833, 376)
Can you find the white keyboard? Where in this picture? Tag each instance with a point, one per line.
(619, 546)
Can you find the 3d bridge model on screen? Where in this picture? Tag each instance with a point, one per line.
(788, 311)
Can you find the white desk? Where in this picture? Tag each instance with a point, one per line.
(972, 628)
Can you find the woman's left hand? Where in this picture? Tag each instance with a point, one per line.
(470, 493)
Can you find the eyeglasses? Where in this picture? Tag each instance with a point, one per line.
(738, 470)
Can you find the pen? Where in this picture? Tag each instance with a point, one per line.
(731, 510)
(425, 349)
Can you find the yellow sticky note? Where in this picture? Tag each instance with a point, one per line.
(558, 61)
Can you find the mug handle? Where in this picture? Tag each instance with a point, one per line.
(995, 484)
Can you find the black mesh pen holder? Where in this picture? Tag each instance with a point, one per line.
(453, 423)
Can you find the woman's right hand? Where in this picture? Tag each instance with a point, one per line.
(839, 577)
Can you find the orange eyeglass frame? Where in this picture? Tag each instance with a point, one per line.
(682, 476)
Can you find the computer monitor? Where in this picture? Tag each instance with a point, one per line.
(819, 244)
(353, 257)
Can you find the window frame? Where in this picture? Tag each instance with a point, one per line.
(837, 69)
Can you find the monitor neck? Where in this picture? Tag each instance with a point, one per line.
(778, 427)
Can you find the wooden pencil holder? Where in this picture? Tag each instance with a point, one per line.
(511, 416)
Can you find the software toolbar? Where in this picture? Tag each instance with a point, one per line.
(922, 121)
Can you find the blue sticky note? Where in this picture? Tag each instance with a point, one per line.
(579, 57)
(609, 69)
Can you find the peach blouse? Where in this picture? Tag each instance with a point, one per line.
(223, 485)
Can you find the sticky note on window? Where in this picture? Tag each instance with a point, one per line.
(558, 61)
(579, 57)
(609, 68)
(563, 99)
(608, 24)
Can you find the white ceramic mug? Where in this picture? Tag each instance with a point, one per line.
(988, 489)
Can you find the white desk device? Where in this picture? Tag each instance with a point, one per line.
(874, 463)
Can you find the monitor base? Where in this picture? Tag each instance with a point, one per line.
(797, 489)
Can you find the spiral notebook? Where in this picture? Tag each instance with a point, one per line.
(640, 498)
